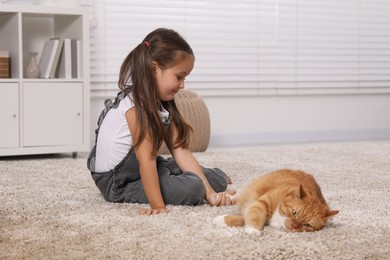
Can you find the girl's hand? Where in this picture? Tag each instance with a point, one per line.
(149, 212)
(221, 199)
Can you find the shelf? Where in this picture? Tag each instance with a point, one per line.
(43, 115)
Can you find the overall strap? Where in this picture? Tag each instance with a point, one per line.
(108, 104)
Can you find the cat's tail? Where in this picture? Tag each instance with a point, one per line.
(229, 221)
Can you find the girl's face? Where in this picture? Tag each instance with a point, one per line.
(171, 80)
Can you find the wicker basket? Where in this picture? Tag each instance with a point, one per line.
(194, 110)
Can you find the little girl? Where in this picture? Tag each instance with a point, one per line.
(124, 162)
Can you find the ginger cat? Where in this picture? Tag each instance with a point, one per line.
(286, 199)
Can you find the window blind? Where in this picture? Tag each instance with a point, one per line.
(254, 44)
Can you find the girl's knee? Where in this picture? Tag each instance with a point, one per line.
(195, 191)
(184, 189)
(217, 178)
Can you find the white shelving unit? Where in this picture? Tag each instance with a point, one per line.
(40, 116)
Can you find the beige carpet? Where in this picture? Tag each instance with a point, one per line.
(51, 209)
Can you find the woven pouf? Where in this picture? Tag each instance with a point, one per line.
(195, 112)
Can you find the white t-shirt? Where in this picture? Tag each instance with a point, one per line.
(114, 139)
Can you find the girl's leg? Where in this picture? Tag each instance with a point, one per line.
(177, 188)
(217, 178)
(182, 189)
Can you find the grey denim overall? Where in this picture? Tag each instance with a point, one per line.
(123, 183)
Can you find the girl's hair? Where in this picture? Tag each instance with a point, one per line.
(162, 46)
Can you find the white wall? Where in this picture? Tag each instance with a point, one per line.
(298, 118)
(269, 71)
(244, 118)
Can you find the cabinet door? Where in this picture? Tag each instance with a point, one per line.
(9, 115)
(52, 114)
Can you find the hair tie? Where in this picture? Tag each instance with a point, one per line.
(147, 44)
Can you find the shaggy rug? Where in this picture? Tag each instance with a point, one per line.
(51, 209)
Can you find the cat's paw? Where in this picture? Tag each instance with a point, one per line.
(252, 231)
(219, 221)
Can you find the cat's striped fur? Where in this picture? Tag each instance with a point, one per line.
(287, 199)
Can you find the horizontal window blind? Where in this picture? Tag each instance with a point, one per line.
(254, 43)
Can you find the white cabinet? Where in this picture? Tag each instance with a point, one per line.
(9, 115)
(43, 115)
(62, 119)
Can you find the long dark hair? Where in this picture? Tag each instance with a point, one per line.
(160, 46)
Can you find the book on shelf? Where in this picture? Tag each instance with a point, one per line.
(56, 58)
(76, 67)
(65, 62)
(70, 61)
(47, 57)
(4, 64)
(78, 59)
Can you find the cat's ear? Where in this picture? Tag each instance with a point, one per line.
(331, 213)
(300, 192)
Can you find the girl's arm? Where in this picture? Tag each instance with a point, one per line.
(147, 167)
(187, 162)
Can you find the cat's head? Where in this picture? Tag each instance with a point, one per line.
(304, 212)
